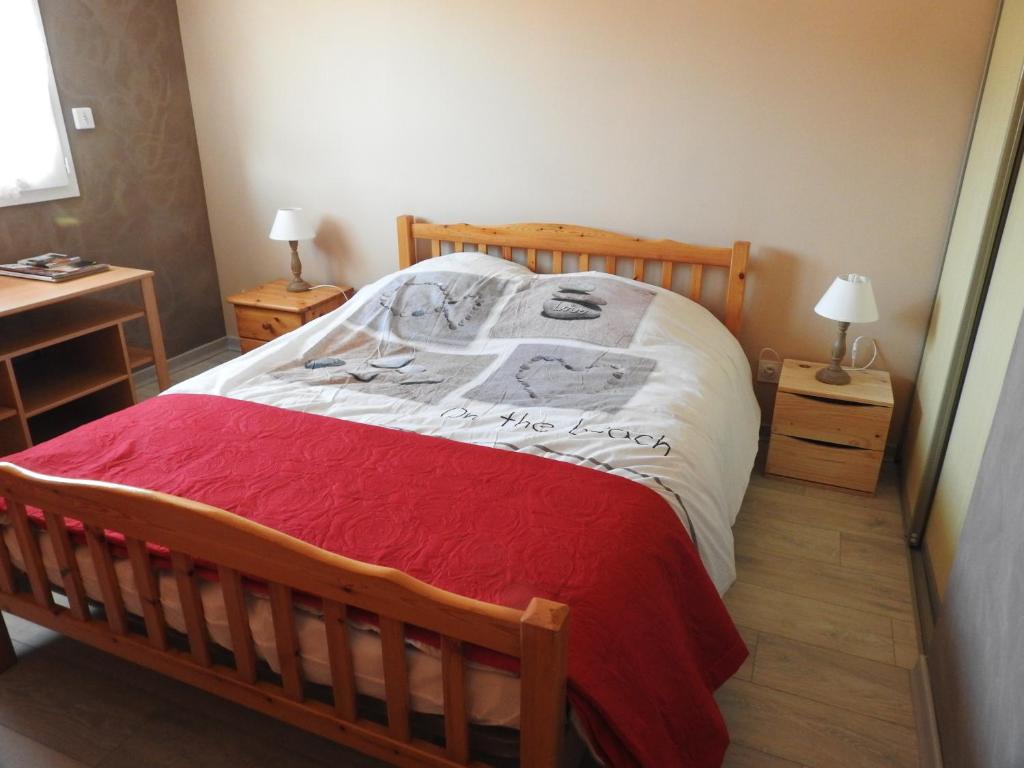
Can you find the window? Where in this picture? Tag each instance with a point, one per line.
(35, 159)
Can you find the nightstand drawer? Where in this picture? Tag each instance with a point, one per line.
(854, 468)
(831, 421)
(265, 324)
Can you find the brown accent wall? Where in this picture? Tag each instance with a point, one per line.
(142, 202)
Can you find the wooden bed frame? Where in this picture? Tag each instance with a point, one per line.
(238, 548)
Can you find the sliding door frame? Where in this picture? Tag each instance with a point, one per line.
(919, 508)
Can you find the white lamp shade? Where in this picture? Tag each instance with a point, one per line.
(849, 300)
(291, 224)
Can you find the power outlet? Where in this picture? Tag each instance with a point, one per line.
(768, 371)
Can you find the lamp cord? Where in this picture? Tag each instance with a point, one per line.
(349, 292)
(853, 355)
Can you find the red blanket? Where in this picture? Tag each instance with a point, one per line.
(649, 638)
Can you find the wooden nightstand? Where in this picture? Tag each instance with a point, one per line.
(268, 311)
(827, 434)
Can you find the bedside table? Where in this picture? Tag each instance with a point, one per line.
(834, 435)
(268, 311)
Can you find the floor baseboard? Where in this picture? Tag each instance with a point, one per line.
(929, 747)
(146, 377)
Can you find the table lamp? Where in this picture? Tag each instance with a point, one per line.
(848, 300)
(291, 225)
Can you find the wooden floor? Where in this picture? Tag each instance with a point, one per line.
(822, 598)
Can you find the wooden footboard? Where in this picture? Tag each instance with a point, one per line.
(237, 548)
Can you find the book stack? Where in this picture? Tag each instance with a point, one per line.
(52, 267)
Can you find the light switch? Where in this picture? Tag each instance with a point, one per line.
(83, 118)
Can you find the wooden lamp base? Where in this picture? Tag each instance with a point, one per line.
(834, 373)
(297, 284)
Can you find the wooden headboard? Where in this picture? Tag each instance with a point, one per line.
(586, 243)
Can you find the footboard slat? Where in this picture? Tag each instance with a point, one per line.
(456, 716)
(238, 623)
(103, 564)
(30, 554)
(282, 607)
(192, 606)
(545, 647)
(69, 573)
(149, 593)
(343, 678)
(6, 567)
(396, 677)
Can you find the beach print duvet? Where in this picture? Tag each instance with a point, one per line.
(588, 368)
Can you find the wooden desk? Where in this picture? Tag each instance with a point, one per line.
(64, 359)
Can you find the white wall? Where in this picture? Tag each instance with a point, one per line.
(829, 133)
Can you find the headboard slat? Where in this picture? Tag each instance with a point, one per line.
(696, 275)
(666, 275)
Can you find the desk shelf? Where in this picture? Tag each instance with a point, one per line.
(61, 322)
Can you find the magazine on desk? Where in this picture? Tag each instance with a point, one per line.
(52, 267)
